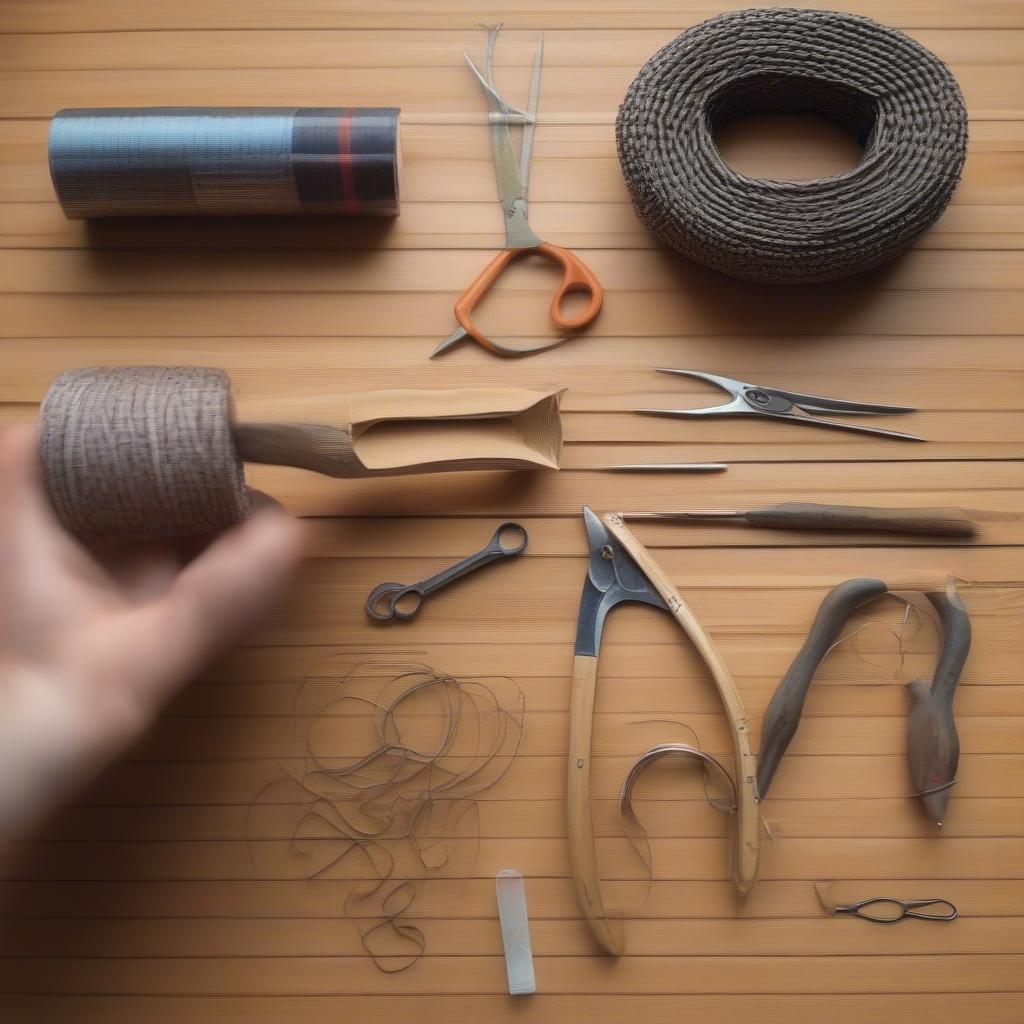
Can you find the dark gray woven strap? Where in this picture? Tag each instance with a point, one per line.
(141, 451)
(899, 100)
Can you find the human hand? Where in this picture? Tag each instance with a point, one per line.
(92, 640)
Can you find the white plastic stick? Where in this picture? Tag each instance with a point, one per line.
(515, 932)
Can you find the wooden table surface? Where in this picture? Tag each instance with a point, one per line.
(140, 902)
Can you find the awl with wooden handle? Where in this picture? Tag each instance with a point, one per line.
(805, 515)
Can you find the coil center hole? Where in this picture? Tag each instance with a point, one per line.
(791, 127)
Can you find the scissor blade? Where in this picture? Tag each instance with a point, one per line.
(819, 403)
(854, 428)
(737, 407)
(451, 341)
(729, 384)
(612, 578)
(526, 145)
(506, 163)
(600, 542)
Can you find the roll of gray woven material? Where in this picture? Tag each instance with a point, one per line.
(143, 451)
(165, 161)
(894, 96)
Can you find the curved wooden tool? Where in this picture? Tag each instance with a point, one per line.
(932, 740)
(620, 570)
(746, 837)
(582, 853)
(783, 714)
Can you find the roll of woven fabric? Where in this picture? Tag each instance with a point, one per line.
(142, 451)
(894, 96)
(165, 161)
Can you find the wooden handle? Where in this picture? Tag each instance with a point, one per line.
(576, 277)
(799, 515)
(582, 856)
(783, 714)
(315, 446)
(747, 835)
(932, 741)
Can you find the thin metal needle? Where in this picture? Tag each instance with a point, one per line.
(670, 467)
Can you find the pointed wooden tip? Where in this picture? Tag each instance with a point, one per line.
(936, 803)
(609, 935)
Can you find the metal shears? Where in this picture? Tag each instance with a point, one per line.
(774, 403)
(513, 175)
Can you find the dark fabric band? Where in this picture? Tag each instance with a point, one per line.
(166, 161)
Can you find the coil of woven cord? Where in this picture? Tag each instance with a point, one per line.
(166, 161)
(898, 100)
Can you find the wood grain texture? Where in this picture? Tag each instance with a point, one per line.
(139, 900)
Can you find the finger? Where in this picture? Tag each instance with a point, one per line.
(260, 499)
(29, 529)
(20, 472)
(226, 591)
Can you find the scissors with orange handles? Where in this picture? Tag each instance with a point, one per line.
(513, 175)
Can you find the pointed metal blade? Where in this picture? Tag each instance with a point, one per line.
(451, 341)
(613, 578)
(526, 146)
(602, 571)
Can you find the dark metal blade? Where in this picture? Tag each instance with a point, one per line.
(601, 542)
(613, 578)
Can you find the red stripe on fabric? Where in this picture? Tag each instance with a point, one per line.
(349, 200)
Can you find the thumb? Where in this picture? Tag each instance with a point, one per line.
(228, 589)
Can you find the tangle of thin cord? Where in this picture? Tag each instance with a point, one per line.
(635, 831)
(401, 812)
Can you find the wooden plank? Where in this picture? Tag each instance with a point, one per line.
(584, 92)
(837, 693)
(442, 899)
(297, 937)
(848, 682)
(130, 273)
(676, 816)
(988, 776)
(601, 373)
(424, 225)
(469, 974)
(41, 16)
(916, 1008)
(446, 176)
(385, 50)
(214, 739)
(703, 858)
(638, 314)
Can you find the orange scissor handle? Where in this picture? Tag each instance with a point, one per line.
(576, 277)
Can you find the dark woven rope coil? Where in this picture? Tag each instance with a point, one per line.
(894, 96)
